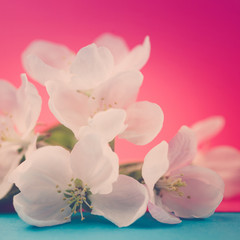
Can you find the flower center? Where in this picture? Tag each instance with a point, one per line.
(102, 104)
(170, 184)
(8, 132)
(77, 197)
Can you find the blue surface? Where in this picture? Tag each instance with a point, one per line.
(219, 226)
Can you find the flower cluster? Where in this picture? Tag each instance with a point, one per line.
(93, 93)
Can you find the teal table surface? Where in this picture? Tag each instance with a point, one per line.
(217, 227)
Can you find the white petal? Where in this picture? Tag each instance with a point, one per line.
(29, 106)
(41, 215)
(9, 160)
(115, 44)
(155, 164)
(93, 162)
(161, 215)
(120, 91)
(45, 61)
(8, 100)
(41, 72)
(71, 108)
(91, 67)
(208, 128)
(182, 148)
(137, 57)
(109, 123)
(124, 205)
(201, 195)
(144, 120)
(225, 160)
(32, 147)
(39, 178)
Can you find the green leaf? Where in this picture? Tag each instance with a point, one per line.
(133, 170)
(60, 136)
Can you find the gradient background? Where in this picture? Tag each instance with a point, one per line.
(193, 71)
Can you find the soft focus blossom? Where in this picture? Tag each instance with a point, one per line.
(177, 188)
(92, 65)
(94, 80)
(225, 160)
(75, 108)
(56, 184)
(19, 111)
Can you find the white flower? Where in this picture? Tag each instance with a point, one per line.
(19, 111)
(75, 109)
(92, 81)
(56, 184)
(177, 188)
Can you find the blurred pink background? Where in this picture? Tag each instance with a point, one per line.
(193, 71)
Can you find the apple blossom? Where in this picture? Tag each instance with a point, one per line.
(19, 111)
(177, 188)
(225, 160)
(75, 108)
(55, 184)
(92, 81)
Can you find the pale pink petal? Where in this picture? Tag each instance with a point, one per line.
(225, 160)
(44, 170)
(124, 205)
(208, 128)
(42, 180)
(70, 107)
(201, 195)
(120, 91)
(41, 72)
(45, 61)
(161, 215)
(91, 67)
(32, 147)
(28, 108)
(8, 101)
(94, 162)
(155, 165)
(136, 58)
(9, 160)
(53, 54)
(144, 120)
(115, 44)
(182, 148)
(41, 214)
(109, 123)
